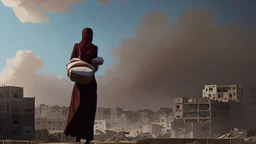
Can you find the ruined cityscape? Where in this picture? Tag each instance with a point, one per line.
(221, 112)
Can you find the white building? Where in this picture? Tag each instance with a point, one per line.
(131, 117)
(223, 93)
(52, 118)
(166, 122)
(115, 114)
(146, 116)
(103, 114)
(52, 112)
(16, 114)
(135, 129)
(101, 125)
(51, 124)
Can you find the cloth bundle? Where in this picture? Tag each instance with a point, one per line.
(82, 72)
(97, 61)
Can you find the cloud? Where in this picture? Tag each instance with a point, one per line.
(33, 10)
(23, 70)
(167, 60)
(162, 61)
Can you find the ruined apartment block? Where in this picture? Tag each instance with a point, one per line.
(16, 114)
(52, 118)
(203, 116)
(223, 93)
(243, 94)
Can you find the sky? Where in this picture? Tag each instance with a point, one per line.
(154, 50)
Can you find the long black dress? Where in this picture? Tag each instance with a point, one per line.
(83, 102)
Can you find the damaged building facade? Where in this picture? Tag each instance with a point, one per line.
(51, 118)
(220, 109)
(16, 114)
(202, 116)
(243, 94)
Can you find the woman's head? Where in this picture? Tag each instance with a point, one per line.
(87, 35)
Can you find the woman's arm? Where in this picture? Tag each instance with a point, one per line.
(74, 52)
(96, 55)
(96, 52)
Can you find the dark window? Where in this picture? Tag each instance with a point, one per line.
(15, 95)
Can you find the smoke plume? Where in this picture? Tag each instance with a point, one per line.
(162, 61)
(167, 60)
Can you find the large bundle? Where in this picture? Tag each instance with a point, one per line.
(80, 71)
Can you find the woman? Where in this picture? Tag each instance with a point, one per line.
(84, 97)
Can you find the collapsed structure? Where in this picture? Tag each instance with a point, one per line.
(220, 109)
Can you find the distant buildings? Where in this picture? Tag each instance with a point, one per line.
(101, 125)
(52, 118)
(16, 114)
(219, 109)
(133, 122)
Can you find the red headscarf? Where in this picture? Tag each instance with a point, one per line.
(85, 45)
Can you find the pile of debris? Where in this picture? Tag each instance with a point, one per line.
(248, 136)
(143, 136)
(118, 137)
(234, 134)
(167, 135)
(250, 139)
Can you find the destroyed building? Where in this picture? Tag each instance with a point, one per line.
(203, 116)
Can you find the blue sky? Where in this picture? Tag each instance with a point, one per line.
(53, 42)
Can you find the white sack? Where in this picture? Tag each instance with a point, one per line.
(80, 71)
(97, 61)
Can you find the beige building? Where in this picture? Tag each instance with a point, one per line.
(146, 116)
(245, 95)
(203, 115)
(51, 118)
(103, 114)
(16, 114)
(223, 93)
(101, 125)
(52, 112)
(50, 124)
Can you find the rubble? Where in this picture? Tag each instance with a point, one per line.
(143, 136)
(250, 139)
(234, 134)
(118, 137)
